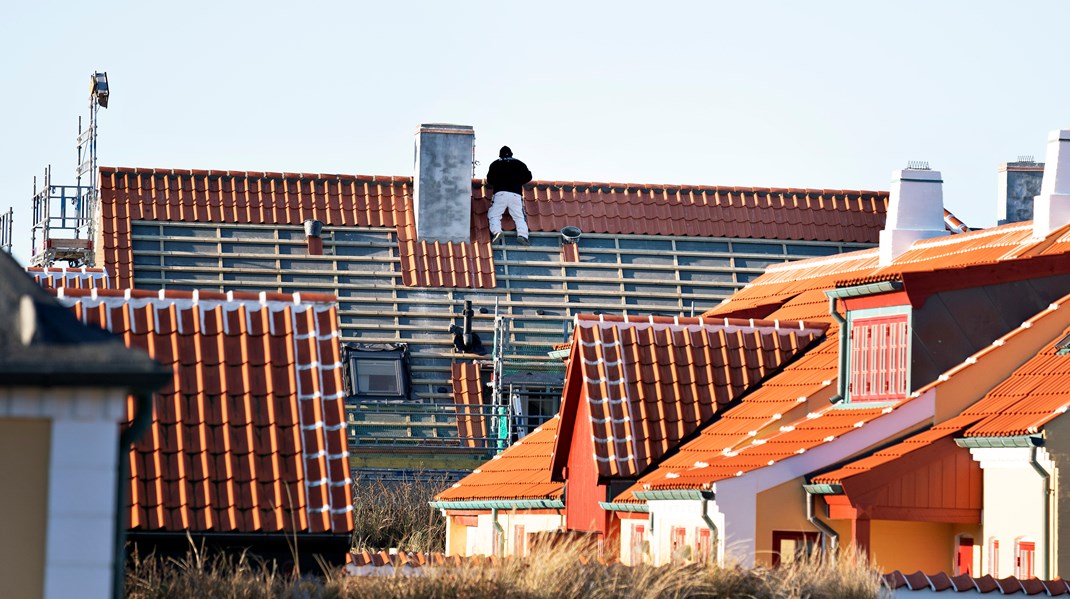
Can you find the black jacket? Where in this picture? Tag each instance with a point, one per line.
(508, 174)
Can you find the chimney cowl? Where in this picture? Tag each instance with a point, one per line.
(915, 211)
(1051, 209)
(313, 228)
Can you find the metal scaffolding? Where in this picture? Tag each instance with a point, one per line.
(65, 216)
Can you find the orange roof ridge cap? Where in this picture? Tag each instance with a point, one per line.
(821, 261)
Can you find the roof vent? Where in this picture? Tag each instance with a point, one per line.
(570, 234)
(915, 210)
(1051, 209)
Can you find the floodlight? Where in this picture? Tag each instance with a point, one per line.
(100, 88)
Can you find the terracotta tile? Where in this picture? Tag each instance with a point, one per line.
(209, 447)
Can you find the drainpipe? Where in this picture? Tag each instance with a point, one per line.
(841, 376)
(141, 422)
(714, 535)
(826, 530)
(1047, 511)
(499, 548)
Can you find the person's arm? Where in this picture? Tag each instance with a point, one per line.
(527, 174)
(493, 174)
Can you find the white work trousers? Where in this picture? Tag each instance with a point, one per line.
(514, 203)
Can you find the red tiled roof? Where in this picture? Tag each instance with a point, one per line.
(1007, 244)
(250, 436)
(78, 278)
(753, 435)
(652, 381)
(361, 201)
(520, 472)
(942, 582)
(1037, 393)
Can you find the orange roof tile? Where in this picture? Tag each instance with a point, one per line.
(250, 435)
(650, 382)
(752, 435)
(1037, 393)
(1004, 245)
(468, 397)
(520, 472)
(129, 194)
(79, 278)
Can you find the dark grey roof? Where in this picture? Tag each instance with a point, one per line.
(43, 344)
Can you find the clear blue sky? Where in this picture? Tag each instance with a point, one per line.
(784, 94)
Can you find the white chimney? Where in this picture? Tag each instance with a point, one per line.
(442, 189)
(1051, 209)
(915, 211)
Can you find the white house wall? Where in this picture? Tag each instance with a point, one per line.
(735, 499)
(1013, 506)
(684, 513)
(84, 452)
(480, 539)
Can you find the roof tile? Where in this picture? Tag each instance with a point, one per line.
(211, 456)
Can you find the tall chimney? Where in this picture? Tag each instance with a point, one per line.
(915, 210)
(1019, 183)
(313, 230)
(1051, 209)
(442, 192)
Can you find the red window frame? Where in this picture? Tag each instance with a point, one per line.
(638, 544)
(520, 541)
(879, 358)
(804, 543)
(1025, 559)
(679, 548)
(702, 544)
(993, 558)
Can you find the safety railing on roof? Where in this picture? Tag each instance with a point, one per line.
(63, 223)
(474, 427)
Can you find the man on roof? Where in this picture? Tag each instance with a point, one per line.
(507, 176)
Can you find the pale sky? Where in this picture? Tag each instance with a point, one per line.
(772, 94)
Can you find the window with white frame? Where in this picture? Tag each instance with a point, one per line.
(993, 557)
(638, 545)
(702, 544)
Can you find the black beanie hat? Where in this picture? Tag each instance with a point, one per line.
(505, 152)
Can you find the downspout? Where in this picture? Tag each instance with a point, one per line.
(841, 375)
(714, 535)
(499, 546)
(1047, 511)
(826, 530)
(141, 422)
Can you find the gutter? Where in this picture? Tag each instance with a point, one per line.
(499, 504)
(141, 422)
(662, 494)
(1000, 442)
(714, 535)
(1046, 476)
(499, 548)
(610, 506)
(841, 372)
(811, 516)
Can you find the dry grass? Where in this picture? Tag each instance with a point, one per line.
(397, 514)
(549, 573)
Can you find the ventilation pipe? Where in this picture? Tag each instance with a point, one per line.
(1051, 209)
(915, 210)
(313, 230)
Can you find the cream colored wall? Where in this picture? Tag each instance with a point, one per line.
(479, 540)
(24, 459)
(912, 546)
(686, 513)
(456, 537)
(1014, 506)
(782, 507)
